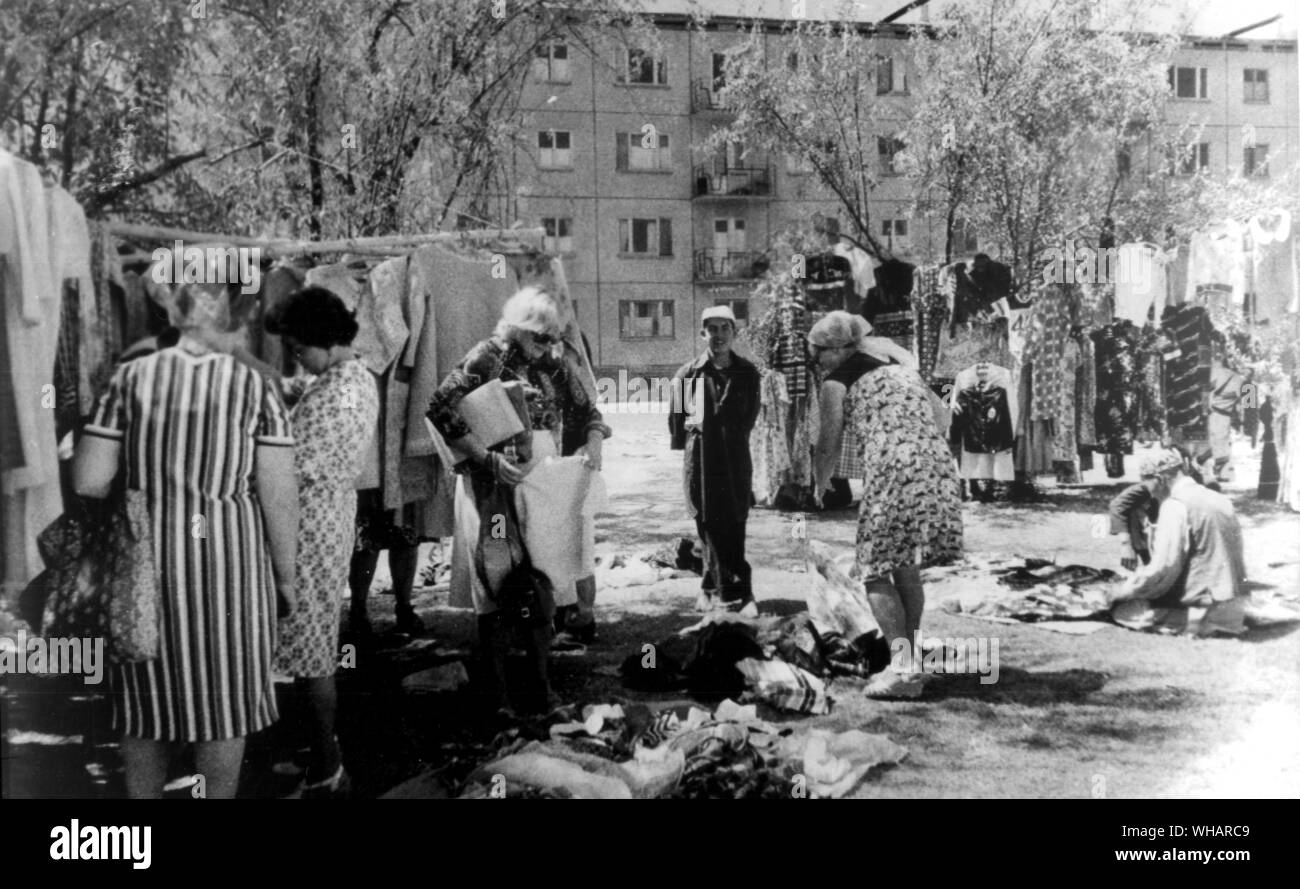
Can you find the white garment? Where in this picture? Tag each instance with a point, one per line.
(1273, 264)
(25, 235)
(864, 270)
(1216, 256)
(1139, 283)
(557, 504)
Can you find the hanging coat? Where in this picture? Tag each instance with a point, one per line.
(717, 469)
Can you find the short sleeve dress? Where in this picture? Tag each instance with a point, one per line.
(190, 423)
(911, 502)
(332, 423)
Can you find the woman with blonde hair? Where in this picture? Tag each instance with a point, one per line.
(563, 421)
(910, 515)
(207, 439)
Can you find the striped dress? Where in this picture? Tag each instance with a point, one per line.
(190, 425)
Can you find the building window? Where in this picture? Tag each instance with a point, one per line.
(559, 234)
(739, 308)
(1192, 159)
(1255, 85)
(645, 319)
(643, 151)
(1123, 162)
(888, 147)
(891, 77)
(719, 70)
(551, 64)
(553, 149)
(894, 232)
(1189, 83)
(645, 237)
(641, 67)
(1255, 161)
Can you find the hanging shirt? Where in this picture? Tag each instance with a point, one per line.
(1140, 283)
(1215, 256)
(1274, 264)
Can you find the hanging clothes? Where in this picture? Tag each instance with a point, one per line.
(863, 267)
(790, 346)
(1085, 399)
(1176, 275)
(70, 249)
(1148, 383)
(984, 421)
(1288, 491)
(1116, 411)
(976, 342)
(829, 285)
(929, 303)
(1270, 472)
(1065, 444)
(768, 446)
(1273, 261)
(1140, 285)
(1187, 372)
(1216, 257)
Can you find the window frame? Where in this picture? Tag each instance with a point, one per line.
(545, 52)
(1251, 84)
(563, 227)
(626, 143)
(888, 161)
(554, 147)
(628, 224)
(1200, 83)
(658, 68)
(1253, 166)
(627, 309)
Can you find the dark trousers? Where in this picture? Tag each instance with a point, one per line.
(726, 573)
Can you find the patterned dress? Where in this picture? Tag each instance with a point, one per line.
(332, 424)
(190, 425)
(911, 502)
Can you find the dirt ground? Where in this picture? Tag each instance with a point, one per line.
(1116, 713)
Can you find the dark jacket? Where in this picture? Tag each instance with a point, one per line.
(717, 470)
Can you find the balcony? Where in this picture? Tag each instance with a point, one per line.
(714, 181)
(705, 96)
(728, 265)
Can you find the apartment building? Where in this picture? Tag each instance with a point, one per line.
(654, 229)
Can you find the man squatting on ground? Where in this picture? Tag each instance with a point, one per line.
(1196, 555)
(717, 470)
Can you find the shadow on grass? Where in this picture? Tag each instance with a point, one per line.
(1016, 686)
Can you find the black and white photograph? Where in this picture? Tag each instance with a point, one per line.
(650, 399)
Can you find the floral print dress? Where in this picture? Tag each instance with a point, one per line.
(911, 502)
(332, 423)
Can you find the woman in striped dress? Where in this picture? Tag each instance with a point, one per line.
(208, 440)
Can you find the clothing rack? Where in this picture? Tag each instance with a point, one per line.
(508, 240)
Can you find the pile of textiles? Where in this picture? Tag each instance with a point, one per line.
(780, 661)
(1038, 590)
(683, 752)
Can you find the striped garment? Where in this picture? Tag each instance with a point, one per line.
(190, 424)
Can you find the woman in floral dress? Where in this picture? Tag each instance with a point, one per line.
(333, 422)
(910, 515)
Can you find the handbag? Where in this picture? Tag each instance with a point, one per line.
(101, 579)
(523, 595)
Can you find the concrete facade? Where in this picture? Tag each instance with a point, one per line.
(641, 309)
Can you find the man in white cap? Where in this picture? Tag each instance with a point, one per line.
(719, 406)
(1196, 558)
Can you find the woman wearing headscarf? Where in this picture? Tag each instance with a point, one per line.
(910, 515)
(561, 414)
(333, 421)
(207, 439)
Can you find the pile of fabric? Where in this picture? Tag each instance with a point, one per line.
(684, 753)
(784, 662)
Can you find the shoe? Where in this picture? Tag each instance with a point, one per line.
(338, 786)
(891, 686)
(409, 622)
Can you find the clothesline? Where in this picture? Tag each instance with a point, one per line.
(523, 239)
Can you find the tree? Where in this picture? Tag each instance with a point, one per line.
(819, 100)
